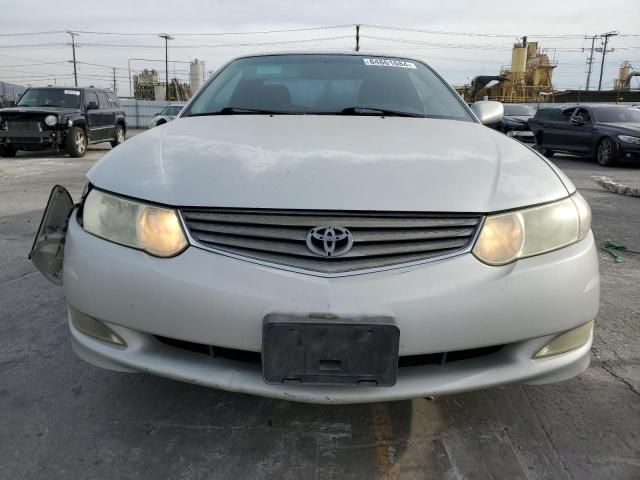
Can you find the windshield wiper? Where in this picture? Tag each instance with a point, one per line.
(241, 111)
(380, 112)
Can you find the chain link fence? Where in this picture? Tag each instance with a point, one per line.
(141, 112)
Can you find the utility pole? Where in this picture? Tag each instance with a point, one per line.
(590, 61)
(604, 53)
(73, 48)
(166, 37)
(115, 86)
(357, 38)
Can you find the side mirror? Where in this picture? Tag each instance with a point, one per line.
(92, 106)
(488, 112)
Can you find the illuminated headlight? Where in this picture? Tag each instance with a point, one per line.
(51, 120)
(629, 139)
(155, 230)
(506, 237)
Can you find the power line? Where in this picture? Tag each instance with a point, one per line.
(50, 32)
(35, 45)
(213, 34)
(475, 34)
(34, 64)
(219, 45)
(436, 44)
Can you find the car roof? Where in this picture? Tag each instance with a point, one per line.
(59, 87)
(360, 53)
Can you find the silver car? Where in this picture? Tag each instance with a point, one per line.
(167, 114)
(330, 228)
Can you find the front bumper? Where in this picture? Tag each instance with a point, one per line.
(45, 138)
(628, 151)
(525, 136)
(449, 305)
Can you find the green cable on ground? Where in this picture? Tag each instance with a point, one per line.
(609, 247)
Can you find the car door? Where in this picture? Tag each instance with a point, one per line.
(580, 130)
(47, 251)
(561, 130)
(544, 125)
(107, 115)
(95, 132)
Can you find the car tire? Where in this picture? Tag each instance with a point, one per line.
(7, 151)
(118, 137)
(546, 152)
(76, 142)
(605, 154)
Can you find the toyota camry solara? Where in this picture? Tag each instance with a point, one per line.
(327, 228)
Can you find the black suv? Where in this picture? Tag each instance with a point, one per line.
(55, 117)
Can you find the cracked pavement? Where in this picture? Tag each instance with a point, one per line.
(61, 418)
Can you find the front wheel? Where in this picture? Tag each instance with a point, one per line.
(118, 137)
(76, 142)
(546, 152)
(8, 151)
(605, 154)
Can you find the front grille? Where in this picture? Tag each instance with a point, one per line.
(24, 128)
(244, 356)
(379, 239)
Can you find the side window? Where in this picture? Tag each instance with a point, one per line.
(567, 114)
(542, 114)
(91, 97)
(104, 100)
(114, 100)
(584, 114)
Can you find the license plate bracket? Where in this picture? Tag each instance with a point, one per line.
(317, 351)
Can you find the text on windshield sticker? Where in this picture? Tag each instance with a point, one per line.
(384, 62)
(72, 92)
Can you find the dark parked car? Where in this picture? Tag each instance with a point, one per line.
(67, 118)
(608, 133)
(515, 122)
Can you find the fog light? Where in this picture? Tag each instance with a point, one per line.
(566, 341)
(94, 328)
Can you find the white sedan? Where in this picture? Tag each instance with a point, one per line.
(167, 114)
(330, 228)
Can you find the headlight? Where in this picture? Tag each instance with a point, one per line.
(153, 229)
(51, 120)
(629, 139)
(507, 237)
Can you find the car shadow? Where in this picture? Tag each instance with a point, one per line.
(583, 163)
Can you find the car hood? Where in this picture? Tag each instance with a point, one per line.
(329, 163)
(630, 128)
(43, 110)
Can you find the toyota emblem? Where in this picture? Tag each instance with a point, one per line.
(329, 241)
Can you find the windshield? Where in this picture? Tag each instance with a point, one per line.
(171, 110)
(328, 84)
(519, 111)
(50, 97)
(614, 115)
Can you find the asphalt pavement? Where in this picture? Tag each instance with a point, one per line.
(61, 418)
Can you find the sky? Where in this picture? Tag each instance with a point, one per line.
(460, 39)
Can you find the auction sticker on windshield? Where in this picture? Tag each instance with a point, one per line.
(384, 62)
(72, 92)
